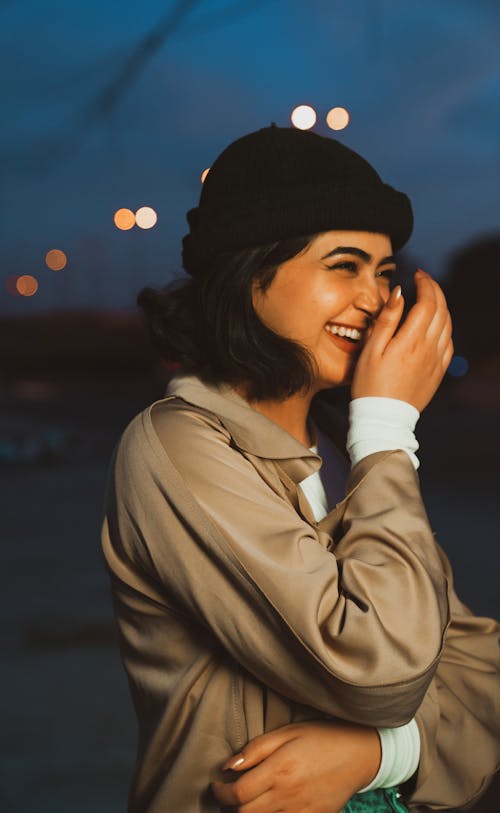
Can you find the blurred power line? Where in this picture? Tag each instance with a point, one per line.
(107, 99)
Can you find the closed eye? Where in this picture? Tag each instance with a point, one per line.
(350, 266)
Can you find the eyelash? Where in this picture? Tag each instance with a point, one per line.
(388, 273)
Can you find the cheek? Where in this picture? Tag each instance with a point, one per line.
(278, 310)
(333, 299)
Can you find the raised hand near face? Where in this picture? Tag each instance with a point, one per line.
(411, 364)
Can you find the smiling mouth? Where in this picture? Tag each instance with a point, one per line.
(350, 334)
(346, 337)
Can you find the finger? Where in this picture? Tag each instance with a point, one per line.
(442, 316)
(259, 748)
(421, 315)
(440, 294)
(245, 789)
(386, 322)
(225, 793)
(444, 336)
(262, 804)
(448, 355)
(426, 286)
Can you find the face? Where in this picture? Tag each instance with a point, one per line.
(327, 297)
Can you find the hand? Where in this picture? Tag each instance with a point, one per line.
(312, 767)
(411, 364)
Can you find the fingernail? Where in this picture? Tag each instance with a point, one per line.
(233, 763)
(394, 297)
(421, 271)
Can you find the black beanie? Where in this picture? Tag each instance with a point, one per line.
(282, 182)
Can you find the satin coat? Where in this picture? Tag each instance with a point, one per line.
(239, 613)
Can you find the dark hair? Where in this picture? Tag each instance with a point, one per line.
(208, 324)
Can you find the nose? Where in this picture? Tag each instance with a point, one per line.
(369, 296)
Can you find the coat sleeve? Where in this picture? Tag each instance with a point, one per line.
(356, 635)
(459, 719)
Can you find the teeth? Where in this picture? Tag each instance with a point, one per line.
(340, 330)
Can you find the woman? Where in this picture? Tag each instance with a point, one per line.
(293, 641)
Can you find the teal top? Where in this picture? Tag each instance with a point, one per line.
(381, 800)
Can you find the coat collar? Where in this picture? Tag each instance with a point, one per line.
(252, 432)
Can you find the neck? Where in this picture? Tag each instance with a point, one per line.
(290, 414)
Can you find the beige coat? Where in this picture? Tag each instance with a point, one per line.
(239, 613)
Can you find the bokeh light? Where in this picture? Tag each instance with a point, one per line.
(124, 219)
(458, 367)
(56, 259)
(303, 117)
(27, 285)
(204, 174)
(337, 118)
(146, 217)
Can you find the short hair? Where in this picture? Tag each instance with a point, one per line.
(208, 324)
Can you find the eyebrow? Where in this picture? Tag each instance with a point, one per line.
(358, 252)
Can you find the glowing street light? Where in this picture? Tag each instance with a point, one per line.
(27, 285)
(146, 217)
(337, 118)
(124, 219)
(56, 259)
(303, 117)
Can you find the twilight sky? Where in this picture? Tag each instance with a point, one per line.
(92, 122)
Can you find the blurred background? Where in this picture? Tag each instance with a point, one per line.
(111, 113)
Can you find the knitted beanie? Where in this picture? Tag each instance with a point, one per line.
(282, 182)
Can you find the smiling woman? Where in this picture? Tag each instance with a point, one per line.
(314, 293)
(288, 623)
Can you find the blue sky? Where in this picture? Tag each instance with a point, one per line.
(421, 79)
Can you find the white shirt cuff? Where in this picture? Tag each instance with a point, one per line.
(379, 424)
(400, 756)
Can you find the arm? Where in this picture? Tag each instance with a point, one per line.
(463, 697)
(459, 719)
(307, 623)
(357, 627)
(332, 759)
(315, 766)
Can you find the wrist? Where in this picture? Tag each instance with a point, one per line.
(400, 756)
(379, 424)
(370, 758)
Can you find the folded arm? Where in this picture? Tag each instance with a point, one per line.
(356, 632)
